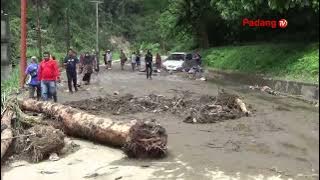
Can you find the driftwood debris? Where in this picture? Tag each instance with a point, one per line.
(6, 134)
(266, 89)
(38, 142)
(138, 139)
(242, 106)
(27, 119)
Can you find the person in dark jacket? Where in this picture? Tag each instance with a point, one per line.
(70, 63)
(87, 66)
(148, 59)
(105, 59)
(138, 59)
(197, 58)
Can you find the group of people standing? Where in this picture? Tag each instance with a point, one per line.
(45, 75)
(136, 58)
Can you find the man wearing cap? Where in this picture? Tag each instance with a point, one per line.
(34, 84)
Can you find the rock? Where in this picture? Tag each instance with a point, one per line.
(194, 120)
(54, 157)
(18, 164)
(203, 79)
(91, 175)
(3, 127)
(264, 88)
(47, 172)
(115, 93)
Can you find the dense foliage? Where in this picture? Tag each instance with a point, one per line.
(291, 61)
(159, 24)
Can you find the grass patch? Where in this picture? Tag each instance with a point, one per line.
(9, 86)
(283, 61)
(115, 55)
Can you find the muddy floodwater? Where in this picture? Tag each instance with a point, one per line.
(279, 141)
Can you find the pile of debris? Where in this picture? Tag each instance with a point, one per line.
(126, 104)
(225, 106)
(204, 109)
(144, 135)
(266, 89)
(38, 142)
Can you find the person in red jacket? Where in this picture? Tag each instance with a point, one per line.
(55, 95)
(48, 76)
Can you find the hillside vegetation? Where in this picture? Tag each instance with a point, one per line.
(213, 26)
(294, 61)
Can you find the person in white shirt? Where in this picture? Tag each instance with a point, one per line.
(109, 59)
(133, 61)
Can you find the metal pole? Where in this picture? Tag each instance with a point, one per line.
(39, 30)
(23, 43)
(97, 31)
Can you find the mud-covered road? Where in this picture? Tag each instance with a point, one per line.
(280, 141)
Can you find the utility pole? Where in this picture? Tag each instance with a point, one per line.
(97, 32)
(39, 29)
(23, 43)
(67, 28)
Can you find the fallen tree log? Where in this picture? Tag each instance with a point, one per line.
(137, 138)
(6, 134)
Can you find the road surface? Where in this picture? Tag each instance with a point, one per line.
(280, 141)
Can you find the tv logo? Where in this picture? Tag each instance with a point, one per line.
(282, 23)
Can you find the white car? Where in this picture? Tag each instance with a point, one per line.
(175, 61)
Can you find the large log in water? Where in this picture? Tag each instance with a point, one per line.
(6, 134)
(138, 139)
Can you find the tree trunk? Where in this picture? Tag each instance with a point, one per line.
(203, 36)
(39, 29)
(6, 135)
(163, 45)
(138, 139)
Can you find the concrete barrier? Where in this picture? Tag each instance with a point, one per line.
(309, 91)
